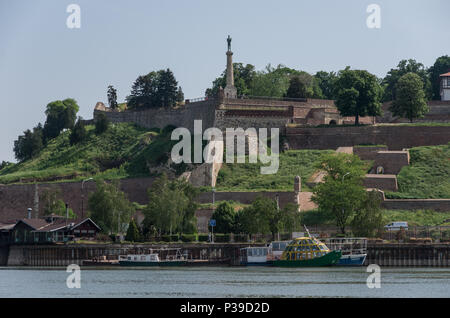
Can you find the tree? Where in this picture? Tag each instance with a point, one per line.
(180, 95)
(30, 144)
(327, 82)
(53, 204)
(409, 98)
(342, 192)
(60, 115)
(357, 94)
(109, 207)
(5, 164)
(133, 234)
(440, 66)
(290, 218)
(243, 78)
(261, 217)
(167, 88)
(224, 216)
(156, 89)
(171, 206)
(112, 97)
(303, 85)
(405, 66)
(101, 124)
(78, 133)
(368, 219)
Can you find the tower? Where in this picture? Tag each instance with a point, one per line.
(230, 90)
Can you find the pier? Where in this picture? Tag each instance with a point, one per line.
(383, 254)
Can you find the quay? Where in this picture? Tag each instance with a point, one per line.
(204, 254)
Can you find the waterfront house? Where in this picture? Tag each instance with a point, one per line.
(52, 229)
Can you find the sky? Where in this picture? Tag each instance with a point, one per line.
(42, 60)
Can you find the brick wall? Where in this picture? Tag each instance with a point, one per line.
(395, 137)
(441, 205)
(391, 161)
(381, 181)
(367, 153)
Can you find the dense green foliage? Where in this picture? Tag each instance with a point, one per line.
(60, 115)
(409, 98)
(124, 150)
(78, 133)
(247, 176)
(109, 207)
(156, 89)
(101, 124)
(112, 97)
(440, 66)
(404, 67)
(368, 219)
(52, 203)
(29, 144)
(224, 216)
(170, 207)
(341, 194)
(133, 233)
(357, 94)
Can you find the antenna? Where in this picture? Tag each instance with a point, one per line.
(307, 231)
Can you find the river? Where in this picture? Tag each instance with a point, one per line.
(225, 282)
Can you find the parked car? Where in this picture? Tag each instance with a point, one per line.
(395, 226)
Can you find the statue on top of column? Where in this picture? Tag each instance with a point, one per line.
(229, 43)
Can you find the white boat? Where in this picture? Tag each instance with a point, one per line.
(354, 249)
(277, 248)
(252, 256)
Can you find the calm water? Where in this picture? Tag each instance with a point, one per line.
(225, 282)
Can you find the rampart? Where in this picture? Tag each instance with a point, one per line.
(394, 137)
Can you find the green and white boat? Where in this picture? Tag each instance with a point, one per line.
(307, 252)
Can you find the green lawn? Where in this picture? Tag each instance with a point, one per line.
(427, 176)
(247, 177)
(122, 151)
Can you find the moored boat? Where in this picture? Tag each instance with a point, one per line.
(255, 256)
(152, 259)
(307, 252)
(353, 249)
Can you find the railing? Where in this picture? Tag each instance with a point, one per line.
(198, 99)
(287, 99)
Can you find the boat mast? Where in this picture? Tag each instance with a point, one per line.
(306, 229)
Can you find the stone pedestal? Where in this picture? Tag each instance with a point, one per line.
(230, 90)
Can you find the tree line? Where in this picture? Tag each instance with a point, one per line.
(356, 92)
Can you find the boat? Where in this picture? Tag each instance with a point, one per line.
(353, 249)
(307, 251)
(255, 256)
(153, 259)
(277, 248)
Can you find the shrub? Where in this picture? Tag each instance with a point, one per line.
(240, 237)
(203, 237)
(222, 238)
(188, 237)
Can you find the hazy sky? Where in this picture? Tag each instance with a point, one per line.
(42, 60)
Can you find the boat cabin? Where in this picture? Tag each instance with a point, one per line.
(304, 248)
(254, 255)
(140, 258)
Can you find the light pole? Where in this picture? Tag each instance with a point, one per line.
(82, 196)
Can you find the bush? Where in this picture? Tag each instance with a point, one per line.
(240, 237)
(188, 237)
(103, 237)
(170, 238)
(203, 237)
(222, 238)
(101, 124)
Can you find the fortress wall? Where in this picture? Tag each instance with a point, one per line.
(391, 161)
(159, 118)
(16, 199)
(385, 182)
(367, 153)
(285, 197)
(223, 121)
(395, 137)
(440, 205)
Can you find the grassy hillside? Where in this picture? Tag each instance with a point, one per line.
(122, 151)
(247, 177)
(428, 175)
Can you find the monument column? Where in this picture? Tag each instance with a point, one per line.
(230, 90)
